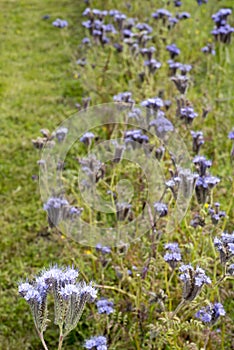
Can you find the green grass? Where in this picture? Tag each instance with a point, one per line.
(40, 84)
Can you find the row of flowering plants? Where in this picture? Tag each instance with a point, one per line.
(169, 288)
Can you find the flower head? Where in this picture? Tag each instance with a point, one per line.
(193, 281)
(211, 313)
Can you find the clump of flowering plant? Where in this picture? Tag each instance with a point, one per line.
(69, 295)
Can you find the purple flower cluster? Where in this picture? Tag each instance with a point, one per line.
(87, 138)
(161, 209)
(216, 214)
(205, 182)
(105, 306)
(173, 255)
(175, 66)
(222, 31)
(167, 18)
(103, 249)
(60, 23)
(193, 281)
(198, 140)
(208, 49)
(70, 297)
(58, 209)
(211, 313)
(225, 246)
(173, 50)
(96, 343)
(135, 138)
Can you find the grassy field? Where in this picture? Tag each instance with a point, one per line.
(40, 85)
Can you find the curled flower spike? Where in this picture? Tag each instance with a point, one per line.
(70, 298)
(193, 281)
(58, 210)
(211, 313)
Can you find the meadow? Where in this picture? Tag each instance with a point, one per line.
(165, 67)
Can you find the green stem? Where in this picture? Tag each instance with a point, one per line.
(42, 340)
(61, 337)
(115, 289)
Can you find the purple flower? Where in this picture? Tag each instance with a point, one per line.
(225, 246)
(161, 13)
(208, 49)
(200, 2)
(181, 83)
(202, 164)
(103, 249)
(97, 343)
(173, 255)
(154, 103)
(211, 313)
(231, 135)
(61, 134)
(193, 281)
(173, 50)
(60, 23)
(161, 209)
(198, 140)
(105, 306)
(144, 27)
(87, 138)
(183, 15)
(153, 65)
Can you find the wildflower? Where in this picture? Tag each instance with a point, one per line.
(187, 113)
(183, 15)
(103, 249)
(208, 49)
(61, 134)
(161, 125)
(161, 14)
(193, 281)
(148, 52)
(155, 103)
(173, 255)
(58, 209)
(87, 138)
(181, 83)
(96, 343)
(198, 140)
(211, 313)
(174, 66)
(105, 306)
(60, 23)
(86, 41)
(144, 27)
(125, 97)
(216, 214)
(231, 135)
(185, 68)
(173, 50)
(177, 3)
(202, 164)
(153, 65)
(70, 297)
(225, 246)
(200, 2)
(161, 209)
